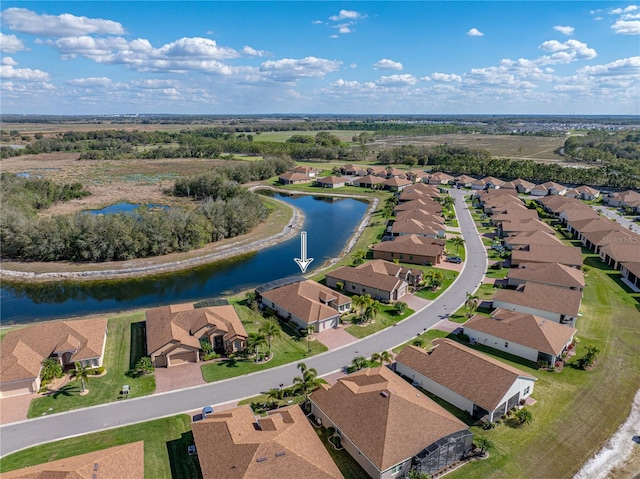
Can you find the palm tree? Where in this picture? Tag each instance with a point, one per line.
(358, 363)
(307, 382)
(400, 307)
(524, 416)
(448, 201)
(372, 310)
(418, 342)
(310, 329)
(381, 358)
(270, 329)
(434, 278)
(255, 340)
(484, 444)
(471, 304)
(457, 241)
(359, 257)
(273, 395)
(362, 302)
(82, 373)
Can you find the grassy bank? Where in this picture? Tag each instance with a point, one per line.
(125, 345)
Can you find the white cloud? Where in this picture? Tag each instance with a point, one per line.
(347, 15)
(11, 43)
(344, 29)
(317, 22)
(9, 61)
(26, 74)
(92, 82)
(386, 64)
(197, 47)
(620, 11)
(445, 77)
(474, 32)
(353, 65)
(564, 29)
(626, 27)
(247, 50)
(397, 80)
(624, 66)
(334, 36)
(26, 21)
(565, 52)
(289, 69)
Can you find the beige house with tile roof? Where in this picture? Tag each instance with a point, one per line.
(487, 183)
(126, 461)
(381, 279)
(550, 302)
(470, 380)
(422, 204)
(554, 274)
(293, 178)
(353, 170)
(235, 444)
(333, 181)
(386, 424)
(412, 249)
(537, 253)
(439, 178)
(548, 188)
(369, 181)
(307, 303)
(524, 335)
(396, 184)
(555, 204)
(174, 332)
(628, 198)
(464, 180)
(23, 350)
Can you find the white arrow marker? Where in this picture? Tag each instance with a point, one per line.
(303, 261)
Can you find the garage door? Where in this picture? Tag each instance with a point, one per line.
(181, 358)
(15, 389)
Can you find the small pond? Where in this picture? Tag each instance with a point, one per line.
(121, 208)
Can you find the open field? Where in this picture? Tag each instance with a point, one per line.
(502, 146)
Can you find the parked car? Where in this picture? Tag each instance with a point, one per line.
(454, 259)
(191, 450)
(206, 410)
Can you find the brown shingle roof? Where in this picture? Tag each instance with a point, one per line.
(306, 300)
(527, 224)
(388, 428)
(423, 216)
(233, 444)
(538, 253)
(332, 180)
(412, 244)
(556, 203)
(294, 176)
(633, 267)
(525, 329)
(368, 180)
(416, 226)
(543, 297)
(24, 349)
(549, 273)
(527, 238)
(473, 375)
(125, 461)
(423, 204)
(396, 182)
(180, 323)
(628, 251)
(376, 273)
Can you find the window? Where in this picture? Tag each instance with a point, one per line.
(353, 286)
(526, 391)
(506, 344)
(396, 469)
(401, 256)
(411, 257)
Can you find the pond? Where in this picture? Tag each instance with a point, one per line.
(329, 223)
(121, 208)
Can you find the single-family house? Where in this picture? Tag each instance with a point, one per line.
(235, 444)
(508, 228)
(548, 188)
(514, 213)
(388, 426)
(557, 304)
(570, 215)
(380, 171)
(396, 184)
(333, 181)
(414, 226)
(368, 181)
(537, 253)
(418, 176)
(625, 251)
(175, 332)
(353, 170)
(310, 171)
(126, 460)
(555, 274)
(493, 194)
(439, 178)
(464, 181)
(629, 198)
(422, 189)
(487, 183)
(523, 186)
(524, 239)
(631, 272)
(381, 279)
(22, 351)
(412, 249)
(594, 240)
(524, 335)
(293, 178)
(556, 204)
(470, 380)
(307, 303)
(420, 215)
(396, 173)
(422, 204)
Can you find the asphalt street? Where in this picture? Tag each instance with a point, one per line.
(24, 434)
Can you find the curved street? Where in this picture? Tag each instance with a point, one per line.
(24, 434)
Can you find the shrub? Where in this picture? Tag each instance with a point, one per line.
(463, 337)
(98, 371)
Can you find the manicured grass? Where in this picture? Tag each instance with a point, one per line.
(453, 250)
(165, 448)
(497, 273)
(449, 277)
(385, 318)
(125, 345)
(348, 466)
(286, 349)
(576, 410)
(427, 336)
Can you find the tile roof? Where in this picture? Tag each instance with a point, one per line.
(514, 213)
(524, 329)
(377, 273)
(471, 374)
(549, 273)
(440, 176)
(423, 204)
(180, 323)
(532, 237)
(307, 300)
(23, 350)
(543, 297)
(412, 245)
(526, 224)
(234, 444)
(388, 428)
(538, 253)
(294, 176)
(604, 237)
(126, 461)
(597, 223)
(332, 180)
(465, 179)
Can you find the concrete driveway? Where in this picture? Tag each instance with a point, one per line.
(178, 377)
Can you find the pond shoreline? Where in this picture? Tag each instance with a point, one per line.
(290, 229)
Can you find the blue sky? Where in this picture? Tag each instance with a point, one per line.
(419, 57)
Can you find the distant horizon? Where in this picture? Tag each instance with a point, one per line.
(383, 57)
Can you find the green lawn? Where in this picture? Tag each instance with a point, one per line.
(449, 277)
(125, 345)
(387, 317)
(286, 349)
(452, 249)
(165, 448)
(427, 336)
(348, 466)
(577, 411)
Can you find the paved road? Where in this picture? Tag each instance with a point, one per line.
(17, 436)
(613, 214)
